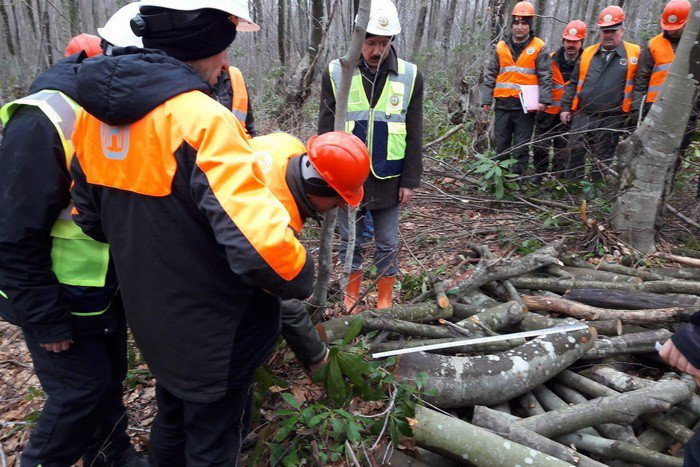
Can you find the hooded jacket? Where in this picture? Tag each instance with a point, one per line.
(35, 188)
(201, 246)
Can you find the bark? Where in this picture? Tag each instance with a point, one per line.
(532, 321)
(612, 267)
(494, 379)
(421, 313)
(564, 285)
(530, 404)
(420, 29)
(317, 302)
(659, 441)
(6, 24)
(503, 426)
(586, 274)
(659, 397)
(619, 450)
(462, 311)
(488, 347)
(494, 319)
(406, 328)
(630, 300)
(281, 34)
(649, 155)
(678, 273)
(472, 445)
(551, 401)
(587, 312)
(497, 269)
(640, 342)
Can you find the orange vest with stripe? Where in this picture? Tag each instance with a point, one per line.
(663, 54)
(514, 73)
(558, 87)
(239, 99)
(633, 51)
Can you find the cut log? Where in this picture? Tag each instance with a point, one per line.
(564, 285)
(581, 311)
(471, 445)
(494, 319)
(619, 450)
(490, 270)
(659, 397)
(693, 262)
(462, 311)
(640, 342)
(532, 321)
(334, 329)
(587, 274)
(658, 440)
(630, 300)
(550, 401)
(678, 273)
(530, 404)
(493, 379)
(612, 267)
(478, 298)
(503, 426)
(488, 347)
(407, 328)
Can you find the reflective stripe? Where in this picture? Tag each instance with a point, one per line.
(240, 116)
(655, 88)
(556, 103)
(3, 295)
(558, 86)
(518, 69)
(508, 86)
(662, 67)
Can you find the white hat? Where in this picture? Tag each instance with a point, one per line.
(118, 31)
(383, 19)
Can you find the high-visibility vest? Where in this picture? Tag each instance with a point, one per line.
(239, 99)
(663, 54)
(632, 50)
(273, 153)
(382, 127)
(558, 87)
(514, 73)
(76, 259)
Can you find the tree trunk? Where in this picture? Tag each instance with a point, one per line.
(648, 157)
(420, 29)
(281, 33)
(630, 300)
(619, 450)
(6, 24)
(564, 285)
(641, 342)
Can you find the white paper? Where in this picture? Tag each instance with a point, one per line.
(529, 97)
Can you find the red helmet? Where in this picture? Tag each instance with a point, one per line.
(87, 42)
(575, 30)
(675, 15)
(342, 159)
(611, 16)
(523, 9)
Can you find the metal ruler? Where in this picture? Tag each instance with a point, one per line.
(484, 340)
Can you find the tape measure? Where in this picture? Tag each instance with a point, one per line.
(484, 340)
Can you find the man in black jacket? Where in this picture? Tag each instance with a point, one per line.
(60, 286)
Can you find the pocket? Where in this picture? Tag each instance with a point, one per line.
(396, 141)
(76, 259)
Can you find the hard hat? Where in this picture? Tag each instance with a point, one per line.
(236, 8)
(87, 42)
(342, 159)
(383, 19)
(575, 31)
(611, 16)
(675, 15)
(117, 31)
(523, 9)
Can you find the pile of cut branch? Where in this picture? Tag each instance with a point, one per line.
(591, 396)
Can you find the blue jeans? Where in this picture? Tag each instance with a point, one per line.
(386, 237)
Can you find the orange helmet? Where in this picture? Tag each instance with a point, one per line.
(342, 159)
(675, 15)
(87, 42)
(523, 9)
(611, 16)
(575, 30)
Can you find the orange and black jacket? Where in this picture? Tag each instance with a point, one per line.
(34, 189)
(201, 246)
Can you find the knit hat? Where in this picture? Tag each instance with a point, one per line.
(185, 35)
(527, 19)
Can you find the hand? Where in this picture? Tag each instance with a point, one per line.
(405, 195)
(56, 347)
(486, 107)
(315, 367)
(542, 107)
(672, 355)
(565, 117)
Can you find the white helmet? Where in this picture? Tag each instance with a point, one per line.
(383, 19)
(117, 31)
(237, 8)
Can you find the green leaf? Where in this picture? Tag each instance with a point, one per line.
(335, 384)
(286, 427)
(289, 398)
(490, 173)
(394, 432)
(354, 367)
(354, 433)
(316, 419)
(353, 330)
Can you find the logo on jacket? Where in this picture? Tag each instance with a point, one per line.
(530, 50)
(264, 161)
(394, 101)
(623, 61)
(115, 141)
(633, 60)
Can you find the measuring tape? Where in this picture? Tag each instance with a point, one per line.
(484, 340)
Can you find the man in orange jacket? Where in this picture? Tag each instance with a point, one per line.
(599, 96)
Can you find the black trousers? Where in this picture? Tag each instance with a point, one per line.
(84, 412)
(549, 132)
(198, 434)
(513, 129)
(594, 134)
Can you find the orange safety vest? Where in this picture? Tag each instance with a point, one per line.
(632, 51)
(558, 87)
(239, 99)
(663, 54)
(512, 74)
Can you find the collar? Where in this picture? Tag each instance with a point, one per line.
(296, 187)
(620, 49)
